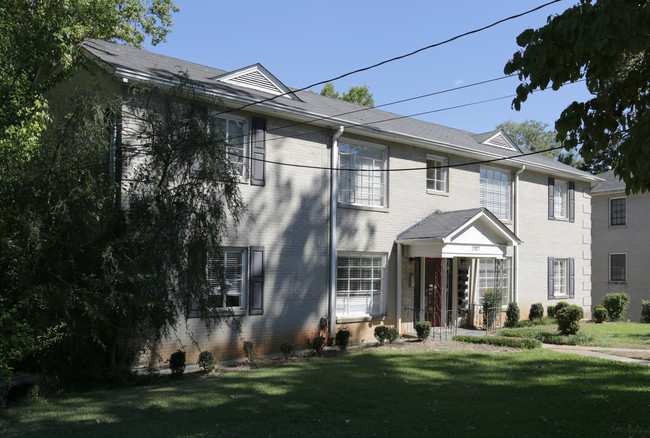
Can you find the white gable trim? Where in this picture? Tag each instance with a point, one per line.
(257, 78)
(501, 140)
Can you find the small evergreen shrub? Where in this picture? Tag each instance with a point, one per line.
(342, 339)
(381, 333)
(287, 348)
(568, 319)
(547, 337)
(248, 350)
(207, 362)
(423, 330)
(645, 311)
(177, 363)
(317, 345)
(550, 311)
(559, 306)
(393, 334)
(536, 312)
(600, 314)
(500, 341)
(616, 303)
(512, 315)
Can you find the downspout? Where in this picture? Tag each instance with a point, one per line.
(334, 184)
(515, 268)
(398, 311)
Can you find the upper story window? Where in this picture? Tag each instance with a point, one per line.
(437, 174)
(362, 178)
(495, 191)
(560, 199)
(234, 130)
(617, 211)
(233, 263)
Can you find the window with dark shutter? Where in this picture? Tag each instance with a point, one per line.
(259, 152)
(572, 277)
(256, 303)
(551, 204)
(572, 201)
(551, 278)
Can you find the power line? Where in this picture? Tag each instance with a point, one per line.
(396, 58)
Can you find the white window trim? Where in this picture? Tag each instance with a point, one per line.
(609, 266)
(244, 286)
(364, 144)
(609, 211)
(445, 170)
(384, 268)
(510, 188)
(564, 200)
(565, 280)
(508, 290)
(245, 141)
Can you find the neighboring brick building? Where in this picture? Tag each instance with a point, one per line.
(621, 243)
(414, 222)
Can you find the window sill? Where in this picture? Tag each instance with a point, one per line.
(436, 192)
(358, 318)
(363, 207)
(560, 297)
(618, 226)
(617, 282)
(560, 219)
(233, 312)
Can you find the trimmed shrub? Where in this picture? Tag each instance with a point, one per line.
(567, 319)
(423, 329)
(342, 339)
(616, 303)
(550, 311)
(287, 348)
(645, 311)
(559, 306)
(381, 333)
(600, 314)
(547, 337)
(177, 363)
(207, 362)
(500, 341)
(536, 312)
(393, 334)
(512, 315)
(248, 350)
(317, 345)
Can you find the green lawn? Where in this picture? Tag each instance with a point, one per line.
(378, 392)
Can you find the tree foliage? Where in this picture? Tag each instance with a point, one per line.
(118, 265)
(606, 43)
(356, 94)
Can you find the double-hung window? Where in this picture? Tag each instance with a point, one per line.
(233, 263)
(617, 267)
(561, 277)
(495, 191)
(360, 284)
(560, 199)
(436, 174)
(494, 274)
(362, 178)
(617, 211)
(234, 131)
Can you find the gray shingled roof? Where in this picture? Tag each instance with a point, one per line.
(148, 64)
(438, 225)
(612, 183)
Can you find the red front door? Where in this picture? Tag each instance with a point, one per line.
(433, 290)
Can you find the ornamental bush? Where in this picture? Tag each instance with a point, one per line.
(568, 319)
(393, 334)
(512, 315)
(287, 348)
(342, 339)
(248, 350)
(559, 306)
(381, 333)
(317, 345)
(536, 312)
(550, 311)
(600, 314)
(207, 362)
(616, 303)
(423, 330)
(499, 341)
(645, 311)
(177, 363)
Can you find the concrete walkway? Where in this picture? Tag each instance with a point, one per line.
(601, 352)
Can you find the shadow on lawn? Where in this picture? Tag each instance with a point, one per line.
(380, 392)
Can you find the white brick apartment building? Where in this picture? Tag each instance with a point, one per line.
(391, 219)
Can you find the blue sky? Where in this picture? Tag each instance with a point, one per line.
(304, 42)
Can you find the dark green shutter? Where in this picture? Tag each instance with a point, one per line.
(258, 154)
(256, 296)
(550, 279)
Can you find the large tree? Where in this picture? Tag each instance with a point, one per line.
(607, 43)
(536, 136)
(356, 94)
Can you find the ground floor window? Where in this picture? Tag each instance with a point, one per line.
(494, 274)
(617, 264)
(360, 284)
(233, 263)
(560, 277)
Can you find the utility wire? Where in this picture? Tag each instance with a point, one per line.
(396, 58)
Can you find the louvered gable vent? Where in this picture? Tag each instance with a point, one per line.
(258, 78)
(499, 140)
